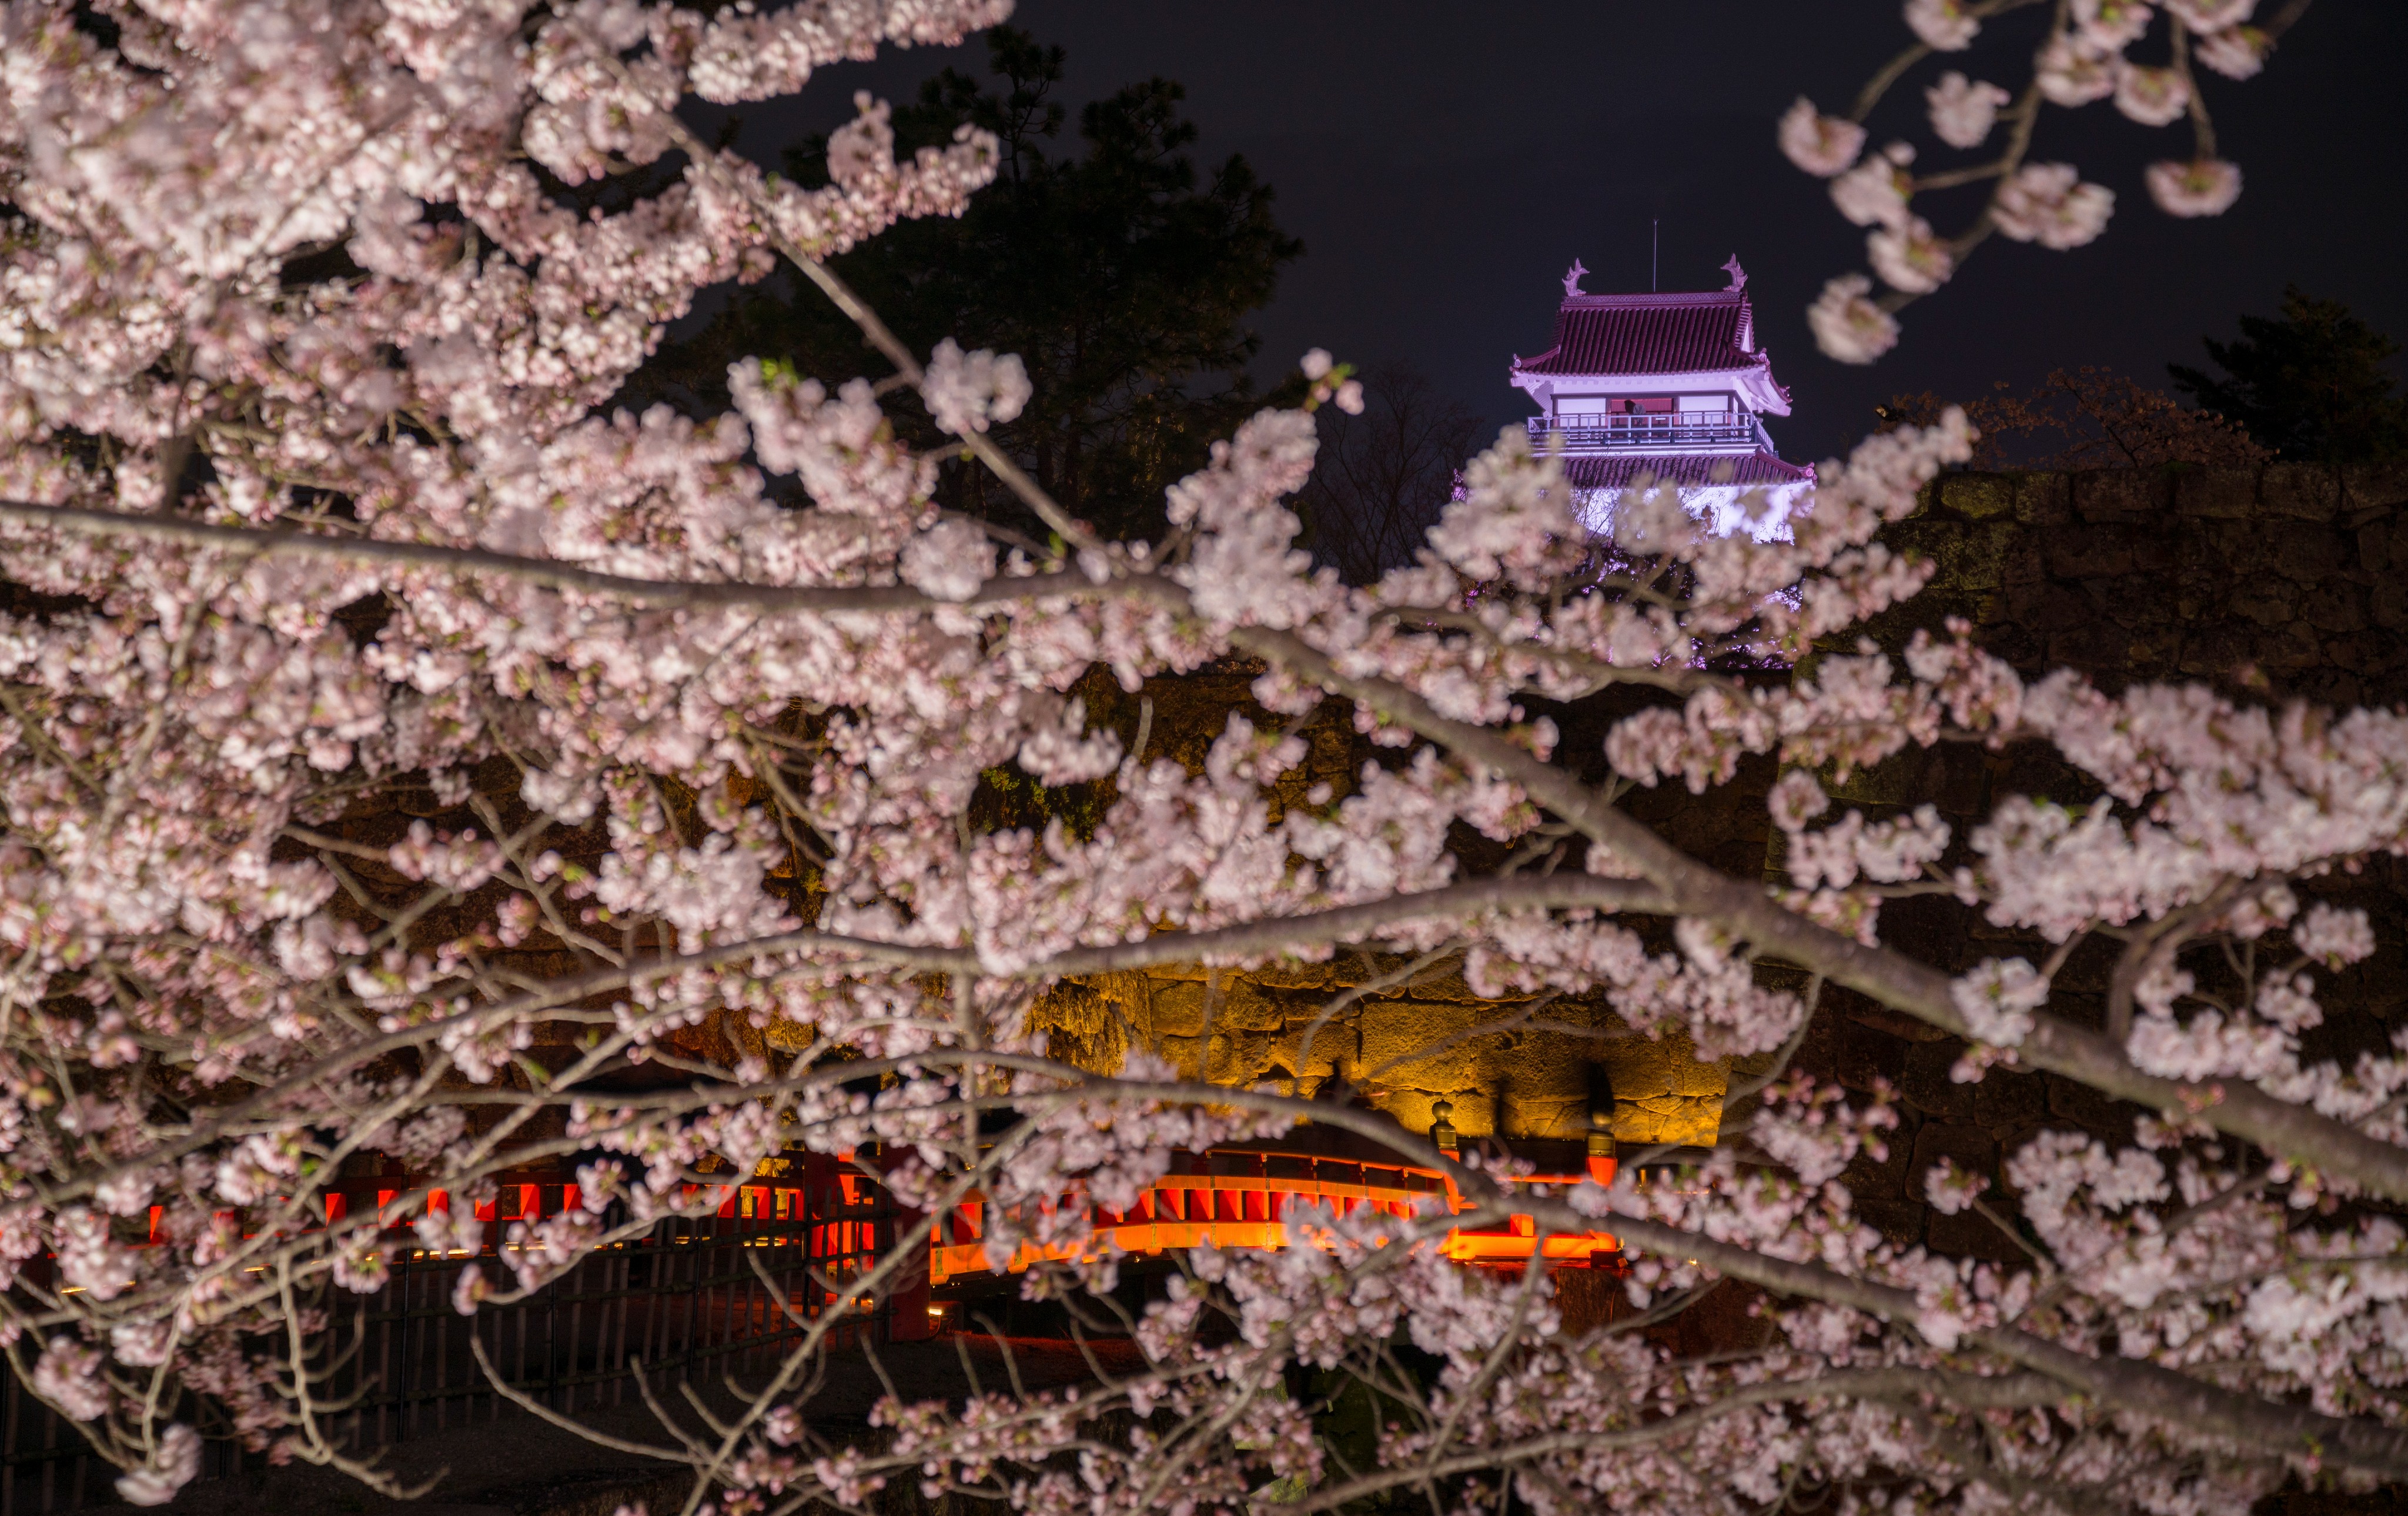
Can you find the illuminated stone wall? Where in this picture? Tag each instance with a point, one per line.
(1508, 1068)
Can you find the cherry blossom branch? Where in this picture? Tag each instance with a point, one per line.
(2124, 1383)
(2082, 59)
(550, 574)
(895, 350)
(1253, 940)
(1909, 1386)
(775, 825)
(1696, 889)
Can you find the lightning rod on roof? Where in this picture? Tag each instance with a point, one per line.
(1654, 241)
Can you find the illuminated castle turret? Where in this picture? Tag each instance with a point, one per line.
(1667, 388)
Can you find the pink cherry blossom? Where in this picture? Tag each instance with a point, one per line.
(1873, 193)
(969, 392)
(2152, 97)
(1963, 111)
(2110, 25)
(176, 1464)
(1943, 25)
(2205, 16)
(1909, 257)
(1997, 998)
(2085, 56)
(1848, 325)
(2202, 187)
(2074, 70)
(2236, 52)
(2047, 203)
(1819, 144)
(2334, 936)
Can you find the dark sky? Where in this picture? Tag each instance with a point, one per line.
(1444, 162)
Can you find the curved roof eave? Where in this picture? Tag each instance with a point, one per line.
(1755, 382)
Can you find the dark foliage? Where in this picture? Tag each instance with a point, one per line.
(2311, 386)
(1120, 273)
(2086, 418)
(1383, 476)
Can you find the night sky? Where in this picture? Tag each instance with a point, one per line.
(1443, 163)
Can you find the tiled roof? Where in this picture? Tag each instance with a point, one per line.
(1649, 334)
(1757, 467)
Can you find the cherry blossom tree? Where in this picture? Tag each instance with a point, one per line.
(315, 508)
(2084, 56)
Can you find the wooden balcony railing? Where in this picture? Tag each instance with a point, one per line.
(1655, 432)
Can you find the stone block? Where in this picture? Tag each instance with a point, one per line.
(1899, 1222)
(2374, 547)
(1896, 780)
(2005, 1102)
(2086, 1108)
(1866, 1057)
(2150, 656)
(2218, 494)
(2387, 607)
(2334, 605)
(2020, 560)
(1662, 1092)
(1926, 1086)
(2334, 691)
(1420, 1045)
(1413, 1109)
(1327, 977)
(2299, 491)
(2057, 608)
(1186, 1054)
(2095, 647)
(2208, 649)
(2043, 499)
(1884, 1177)
(2307, 554)
(1446, 987)
(1978, 496)
(1969, 1234)
(1969, 1148)
(1882, 1019)
(2373, 487)
(1960, 780)
(2291, 646)
(2119, 495)
(2268, 602)
(1178, 1008)
(1969, 560)
(2090, 552)
(1542, 1081)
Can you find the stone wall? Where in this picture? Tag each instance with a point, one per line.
(2291, 579)
(1510, 1069)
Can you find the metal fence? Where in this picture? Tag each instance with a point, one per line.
(715, 1295)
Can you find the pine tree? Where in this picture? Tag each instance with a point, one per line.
(1121, 274)
(2310, 386)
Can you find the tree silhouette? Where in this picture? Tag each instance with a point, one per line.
(1121, 274)
(2310, 386)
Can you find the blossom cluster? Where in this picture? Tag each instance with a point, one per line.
(2086, 55)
